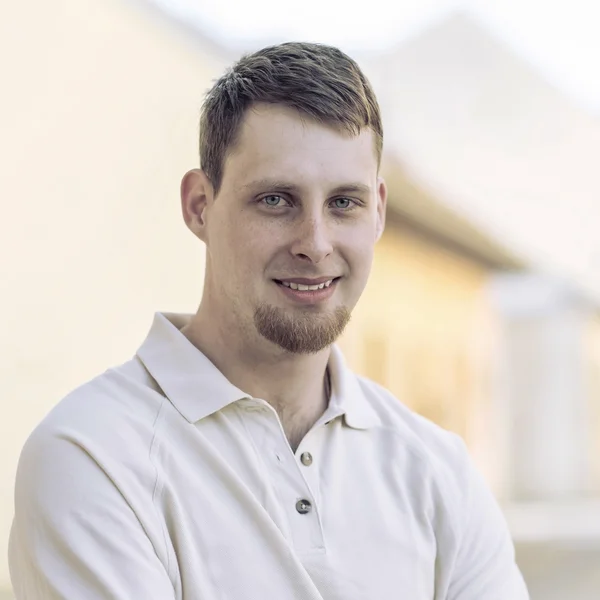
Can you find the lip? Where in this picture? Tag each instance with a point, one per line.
(308, 296)
(305, 281)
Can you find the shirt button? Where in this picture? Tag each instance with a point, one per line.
(306, 459)
(303, 506)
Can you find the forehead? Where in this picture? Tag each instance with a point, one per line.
(277, 142)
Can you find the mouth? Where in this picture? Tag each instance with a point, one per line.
(306, 285)
(308, 290)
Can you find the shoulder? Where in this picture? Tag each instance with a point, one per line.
(106, 424)
(86, 483)
(443, 452)
(475, 551)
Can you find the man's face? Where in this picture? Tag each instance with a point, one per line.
(300, 205)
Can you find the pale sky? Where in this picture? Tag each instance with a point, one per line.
(561, 39)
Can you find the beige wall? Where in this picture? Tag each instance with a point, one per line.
(98, 119)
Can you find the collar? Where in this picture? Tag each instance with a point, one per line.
(192, 383)
(197, 389)
(347, 396)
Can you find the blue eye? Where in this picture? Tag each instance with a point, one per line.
(342, 203)
(272, 200)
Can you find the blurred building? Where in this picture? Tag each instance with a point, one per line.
(499, 146)
(496, 144)
(472, 318)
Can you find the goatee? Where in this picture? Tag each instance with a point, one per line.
(302, 333)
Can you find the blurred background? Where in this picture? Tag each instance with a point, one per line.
(483, 309)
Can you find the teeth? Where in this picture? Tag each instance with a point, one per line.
(304, 288)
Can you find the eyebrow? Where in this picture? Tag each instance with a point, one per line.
(286, 186)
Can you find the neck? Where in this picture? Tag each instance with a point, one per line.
(294, 384)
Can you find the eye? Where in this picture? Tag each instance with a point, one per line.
(343, 203)
(274, 201)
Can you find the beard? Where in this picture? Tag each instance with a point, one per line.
(303, 333)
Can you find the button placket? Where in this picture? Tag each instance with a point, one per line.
(298, 500)
(307, 454)
(294, 482)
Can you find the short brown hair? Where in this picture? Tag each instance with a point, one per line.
(317, 80)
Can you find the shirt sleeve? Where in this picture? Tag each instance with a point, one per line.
(485, 565)
(74, 535)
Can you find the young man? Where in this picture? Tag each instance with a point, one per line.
(236, 456)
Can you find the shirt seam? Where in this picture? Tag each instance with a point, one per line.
(153, 450)
(453, 504)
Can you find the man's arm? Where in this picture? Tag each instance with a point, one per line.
(74, 535)
(485, 567)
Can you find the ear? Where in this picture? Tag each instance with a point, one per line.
(381, 206)
(196, 195)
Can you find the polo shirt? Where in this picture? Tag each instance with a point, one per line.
(160, 480)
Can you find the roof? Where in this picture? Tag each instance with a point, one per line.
(419, 208)
(496, 144)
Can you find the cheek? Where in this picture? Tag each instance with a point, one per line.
(363, 262)
(232, 240)
(248, 255)
(358, 246)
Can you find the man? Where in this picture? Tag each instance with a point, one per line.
(235, 456)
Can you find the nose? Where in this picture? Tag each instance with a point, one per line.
(312, 239)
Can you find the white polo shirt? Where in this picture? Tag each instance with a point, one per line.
(160, 480)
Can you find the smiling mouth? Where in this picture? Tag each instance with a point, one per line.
(307, 287)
